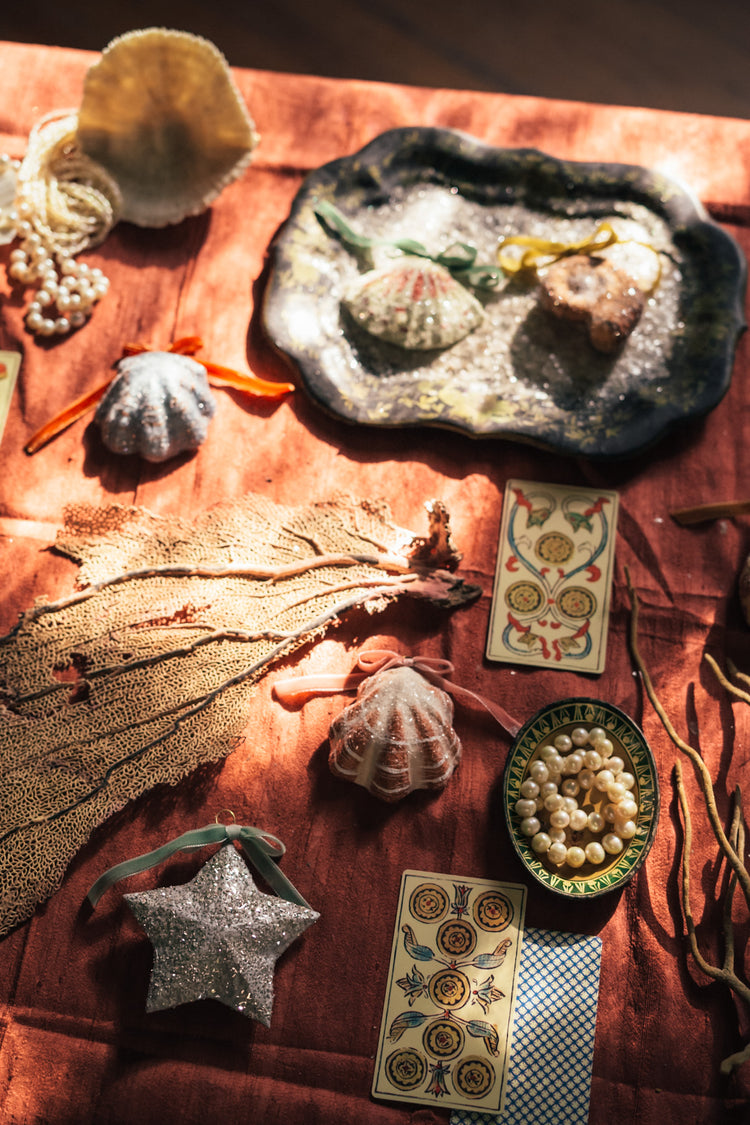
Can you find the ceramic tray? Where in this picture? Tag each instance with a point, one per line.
(587, 881)
(522, 374)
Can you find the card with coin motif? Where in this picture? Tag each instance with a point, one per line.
(451, 991)
(550, 606)
(10, 363)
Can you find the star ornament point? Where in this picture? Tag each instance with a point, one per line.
(217, 936)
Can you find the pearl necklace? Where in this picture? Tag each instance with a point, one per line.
(56, 202)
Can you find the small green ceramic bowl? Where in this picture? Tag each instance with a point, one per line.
(564, 718)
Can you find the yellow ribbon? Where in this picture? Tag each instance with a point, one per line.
(540, 252)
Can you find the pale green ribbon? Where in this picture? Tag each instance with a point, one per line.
(460, 258)
(261, 849)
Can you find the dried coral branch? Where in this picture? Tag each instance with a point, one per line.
(732, 847)
(701, 768)
(737, 837)
(726, 683)
(727, 972)
(737, 675)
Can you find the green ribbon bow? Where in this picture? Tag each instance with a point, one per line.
(260, 847)
(459, 258)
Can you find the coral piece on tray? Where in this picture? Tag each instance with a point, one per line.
(161, 113)
(164, 639)
(591, 290)
(396, 737)
(416, 304)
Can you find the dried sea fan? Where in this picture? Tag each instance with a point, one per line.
(396, 737)
(167, 638)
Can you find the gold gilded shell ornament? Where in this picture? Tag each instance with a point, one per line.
(161, 113)
(397, 735)
(415, 303)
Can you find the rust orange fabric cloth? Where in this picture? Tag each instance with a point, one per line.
(75, 1042)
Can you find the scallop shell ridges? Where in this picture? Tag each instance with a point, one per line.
(158, 405)
(161, 113)
(396, 736)
(416, 304)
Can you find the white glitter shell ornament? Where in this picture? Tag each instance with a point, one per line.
(158, 405)
(416, 304)
(161, 113)
(397, 736)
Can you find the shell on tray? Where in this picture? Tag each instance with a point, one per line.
(415, 303)
(396, 736)
(590, 289)
(158, 405)
(161, 113)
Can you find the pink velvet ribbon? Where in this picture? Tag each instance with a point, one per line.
(298, 689)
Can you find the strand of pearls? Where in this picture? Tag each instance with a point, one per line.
(571, 773)
(63, 203)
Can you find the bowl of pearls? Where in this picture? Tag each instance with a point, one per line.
(581, 797)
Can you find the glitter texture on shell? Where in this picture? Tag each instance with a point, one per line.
(396, 736)
(415, 304)
(158, 405)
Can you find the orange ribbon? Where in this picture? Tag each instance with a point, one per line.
(186, 345)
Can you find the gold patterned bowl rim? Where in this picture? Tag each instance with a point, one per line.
(558, 718)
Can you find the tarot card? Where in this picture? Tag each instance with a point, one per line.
(550, 605)
(10, 362)
(446, 1032)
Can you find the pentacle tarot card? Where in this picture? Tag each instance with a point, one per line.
(451, 992)
(550, 606)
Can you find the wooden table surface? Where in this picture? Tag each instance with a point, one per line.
(76, 1045)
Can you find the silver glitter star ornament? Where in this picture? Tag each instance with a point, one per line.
(217, 936)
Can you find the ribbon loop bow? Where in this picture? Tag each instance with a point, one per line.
(260, 847)
(298, 689)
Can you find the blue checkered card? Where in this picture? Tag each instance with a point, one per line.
(552, 1051)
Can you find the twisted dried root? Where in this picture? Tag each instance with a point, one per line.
(732, 847)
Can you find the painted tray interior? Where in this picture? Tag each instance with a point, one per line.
(522, 374)
(560, 718)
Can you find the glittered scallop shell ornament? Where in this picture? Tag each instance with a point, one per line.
(415, 303)
(421, 301)
(161, 113)
(396, 737)
(159, 403)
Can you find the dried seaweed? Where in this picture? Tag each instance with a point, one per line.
(144, 672)
(731, 845)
